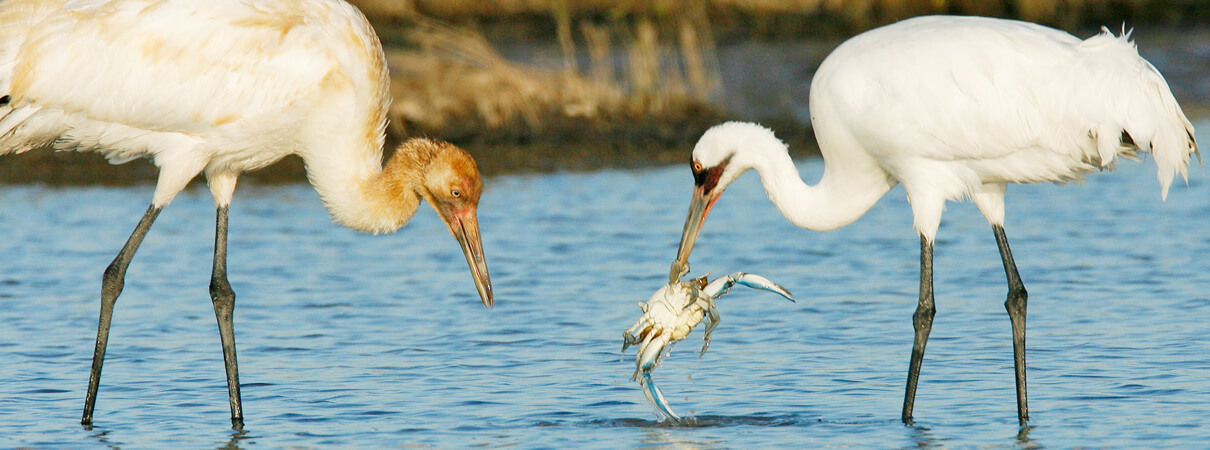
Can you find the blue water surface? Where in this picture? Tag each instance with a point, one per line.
(358, 341)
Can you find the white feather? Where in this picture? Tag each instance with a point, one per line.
(221, 86)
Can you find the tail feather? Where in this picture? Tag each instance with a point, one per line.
(11, 136)
(1173, 141)
(11, 117)
(1142, 113)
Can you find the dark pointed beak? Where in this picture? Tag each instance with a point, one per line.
(699, 208)
(706, 191)
(465, 228)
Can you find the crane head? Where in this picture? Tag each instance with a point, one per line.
(706, 191)
(452, 185)
(720, 156)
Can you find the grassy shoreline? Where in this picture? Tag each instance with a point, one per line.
(590, 148)
(787, 17)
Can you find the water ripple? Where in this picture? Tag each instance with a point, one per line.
(349, 340)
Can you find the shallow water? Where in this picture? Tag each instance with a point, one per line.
(351, 340)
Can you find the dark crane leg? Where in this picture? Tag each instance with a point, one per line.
(111, 286)
(922, 321)
(224, 304)
(1015, 304)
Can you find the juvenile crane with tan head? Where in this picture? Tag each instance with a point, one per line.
(221, 87)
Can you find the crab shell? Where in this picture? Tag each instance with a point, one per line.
(668, 316)
(676, 308)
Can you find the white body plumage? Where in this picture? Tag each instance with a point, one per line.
(220, 87)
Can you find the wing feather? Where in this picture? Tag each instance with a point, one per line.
(173, 66)
(1012, 100)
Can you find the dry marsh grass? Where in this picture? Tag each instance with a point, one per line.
(856, 14)
(638, 78)
(642, 90)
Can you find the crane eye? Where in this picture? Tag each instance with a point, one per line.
(455, 193)
(697, 166)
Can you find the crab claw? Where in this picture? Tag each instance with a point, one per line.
(627, 341)
(656, 398)
(711, 320)
(722, 285)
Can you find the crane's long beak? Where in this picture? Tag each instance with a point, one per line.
(699, 208)
(707, 187)
(465, 228)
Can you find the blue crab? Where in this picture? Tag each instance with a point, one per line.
(670, 315)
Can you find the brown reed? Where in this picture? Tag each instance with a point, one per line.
(855, 14)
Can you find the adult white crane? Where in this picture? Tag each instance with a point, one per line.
(953, 108)
(220, 87)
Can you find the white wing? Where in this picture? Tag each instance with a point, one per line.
(221, 85)
(177, 66)
(1015, 101)
(168, 65)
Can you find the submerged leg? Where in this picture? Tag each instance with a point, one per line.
(224, 303)
(1015, 304)
(111, 286)
(922, 321)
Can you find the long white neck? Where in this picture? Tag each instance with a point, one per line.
(846, 191)
(364, 195)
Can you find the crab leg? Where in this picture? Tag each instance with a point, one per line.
(651, 350)
(632, 336)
